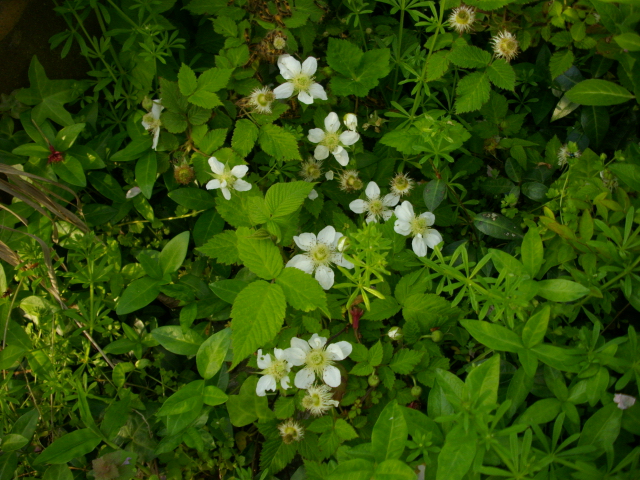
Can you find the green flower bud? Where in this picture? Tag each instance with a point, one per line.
(374, 380)
(416, 391)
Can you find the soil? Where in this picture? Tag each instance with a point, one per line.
(25, 29)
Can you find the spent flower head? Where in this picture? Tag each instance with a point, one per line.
(318, 361)
(291, 431)
(350, 181)
(300, 80)
(273, 371)
(225, 178)
(279, 42)
(261, 99)
(375, 207)
(567, 152)
(319, 400)
(505, 45)
(462, 19)
(311, 170)
(401, 184)
(417, 226)
(609, 180)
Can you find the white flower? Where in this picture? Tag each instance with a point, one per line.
(321, 252)
(401, 184)
(152, 123)
(624, 401)
(317, 360)
(350, 121)
(261, 99)
(376, 207)
(312, 194)
(291, 431)
(329, 175)
(133, 192)
(273, 371)
(225, 178)
(300, 80)
(319, 400)
(505, 45)
(418, 227)
(462, 18)
(330, 140)
(395, 333)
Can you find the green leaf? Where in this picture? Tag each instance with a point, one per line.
(560, 290)
(285, 198)
(214, 396)
(187, 80)
(433, 193)
(244, 137)
(10, 355)
(257, 316)
(138, 294)
(595, 122)
(599, 93)
(228, 290)
(31, 150)
(360, 72)
(66, 137)
(212, 352)
(133, 150)
(172, 99)
(177, 341)
(497, 226)
(483, 381)
(223, 247)
(629, 174)
(437, 65)
(13, 442)
(560, 62)
(205, 99)
(209, 223)
(225, 26)
(381, 309)
(493, 336)
(629, 41)
(473, 91)
(193, 198)
(468, 56)
(70, 170)
(389, 433)
(394, 470)
(146, 170)
(56, 472)
(278, 143)
(532, 251)
(405, 360)
(457, 454)
(212, 140)
(69, 446)
(174, 122)
(8, 465)
(502, 74)
(188, 398)
(536, 327)
(174, 253)
(248, 407)
(214, 79)
(602, 428)
(302, 291)
(259, 255)
(198, 115)
(358, 469)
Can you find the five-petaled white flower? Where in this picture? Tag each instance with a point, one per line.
(320, 253)
(319, 400)
(418, 227)
(330, 140)
(273, 371)
(624, 401)
(152, 123)
(226, 179)
(376, 207)
(300, 79)
(317, 360)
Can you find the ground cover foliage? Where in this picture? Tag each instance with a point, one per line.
(325, 240)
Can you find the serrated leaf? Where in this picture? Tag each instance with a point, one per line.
(473, 91)
(361, 369)
(187, 81)
(629, 41)
(468, 56)
(214, 79)
(284, 407)
(560, 62)
(212, 352)
(174, 122)
(375, 354)
(381, 309)
(302, 291)
(285, 198)
(244, 137)
(223, 247)
(404, 361)
(204, 99)
(278, 143)
(259, 255)
(257, 316)
(502, 74)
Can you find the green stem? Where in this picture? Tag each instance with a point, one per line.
(398, 52)
(6, 320)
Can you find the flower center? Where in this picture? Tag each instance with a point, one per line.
(311, 171)
(331, 141)
(226, 177)
(321, 254)
(317, 360)
(462, 17)
(508, 45)
(302, 82)
(152, 121)
(376, 206)
(277, 369)
(418, 226)
(263, 99)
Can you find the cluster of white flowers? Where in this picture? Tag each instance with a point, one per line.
(317, 360)
(418, 226)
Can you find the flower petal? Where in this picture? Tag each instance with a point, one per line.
(340, 350)
(302, 262)
(305, 97)
(432, 238)
(241, 186)
(239, 171)
(283, 91)
(358, 206)
(289, 66)
(332, 123)
(331, 376)
(295, 356)
(304, 378)
(404, 211)
(300, 345)
(316, 135)
(305, 241)
(418, 245)
(216, 166)
(324, 276)
(430, 217)
(371, 218)
(390, 200)
(156, 136)
(309, 66)
(156, 108)
(226, 193)
(329, 175)
(341, 156)
(285, 382)
(213, 184)
(263, 360)
(339, 259)
(372, 191)
(349, 137)
(267, 382)
(386, 214)
(312, 194)
(278, 353)
(402, 227)
(316, 341)
(321, 152)
(317, 91)
(327, 235)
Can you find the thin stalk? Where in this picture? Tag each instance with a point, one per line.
(398, 52)
(6, 320)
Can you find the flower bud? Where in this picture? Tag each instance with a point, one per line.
(183, 174)
(395, 333)
(374, 380)
(279, 43)
(416, 391)
(343, 244)
(437, 336)
(350, 121)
